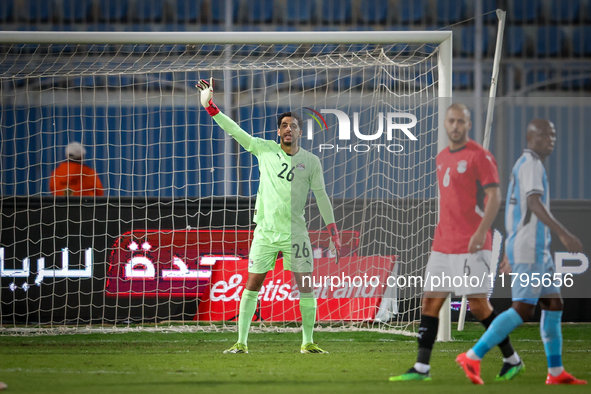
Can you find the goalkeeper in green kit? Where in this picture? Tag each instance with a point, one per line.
(287, 175)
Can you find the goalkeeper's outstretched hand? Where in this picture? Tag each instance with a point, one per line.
(206, 92)
(335, 241)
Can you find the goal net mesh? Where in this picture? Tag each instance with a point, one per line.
(165, 243)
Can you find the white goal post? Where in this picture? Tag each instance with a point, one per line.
(129, 98)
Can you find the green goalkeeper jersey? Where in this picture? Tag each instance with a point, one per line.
(285, 181)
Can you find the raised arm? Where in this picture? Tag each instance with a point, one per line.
(227, 124)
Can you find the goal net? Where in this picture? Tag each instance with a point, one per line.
(167, 244)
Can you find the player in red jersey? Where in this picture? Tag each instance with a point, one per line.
(469, 201)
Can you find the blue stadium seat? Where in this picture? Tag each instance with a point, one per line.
(300, 11)
(6, 11)
(450, 11)
(582, 41)
(190, 78)
(218, 11)
(276, 80)
(412, 12)
(140, 81)
(159, 81)
(361, 80)
(148, 11)
(156, 82)
(515, 41)
(114, 10)
(550, 41)
(260, 11)
(308, 79)
(565, 11)
(38, 10)
(76, 10)
(341, 82)
(246, 80)
(240, 82)
(373, 11)
(119, 81)
(86, 81)
(539, 76)
(462, 80)
(336, 12)
(575, 79)
(188, 11)
(468, 41)
(526, 11)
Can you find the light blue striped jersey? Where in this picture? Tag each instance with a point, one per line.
(528, 239)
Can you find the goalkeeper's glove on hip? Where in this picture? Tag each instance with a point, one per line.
(206, 93)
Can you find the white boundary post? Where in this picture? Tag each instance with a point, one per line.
(494, 79)
(228, 140)
(488, 126)
(445, 96)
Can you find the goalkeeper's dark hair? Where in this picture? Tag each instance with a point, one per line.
(293, 115)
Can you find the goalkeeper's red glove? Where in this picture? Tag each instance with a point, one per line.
(206, 89)
(335, 240)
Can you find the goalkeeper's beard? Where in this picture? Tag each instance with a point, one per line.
(287, 143)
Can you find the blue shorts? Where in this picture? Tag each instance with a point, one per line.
(535, 281)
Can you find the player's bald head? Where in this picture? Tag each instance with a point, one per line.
(541, 137)
(537, 127)
(457, 124)
(462, 108)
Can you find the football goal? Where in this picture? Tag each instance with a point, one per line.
(166, 245)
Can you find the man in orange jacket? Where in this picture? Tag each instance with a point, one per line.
(72, 178)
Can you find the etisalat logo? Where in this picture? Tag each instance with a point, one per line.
(395, 122)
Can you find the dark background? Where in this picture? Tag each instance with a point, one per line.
(41, 226)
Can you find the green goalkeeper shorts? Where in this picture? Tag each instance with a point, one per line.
(266, 245)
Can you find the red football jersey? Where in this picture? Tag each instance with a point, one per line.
(462, 176)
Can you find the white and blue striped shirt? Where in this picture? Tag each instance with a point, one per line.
(528, 239)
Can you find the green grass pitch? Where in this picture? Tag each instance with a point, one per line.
(358, 362)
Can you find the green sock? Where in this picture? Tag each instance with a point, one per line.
(248, 304)
(308, 311)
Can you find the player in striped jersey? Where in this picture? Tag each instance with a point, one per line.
(287, 173)
(528, 222)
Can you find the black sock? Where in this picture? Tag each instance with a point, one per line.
(505, 345)
(427, 336)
